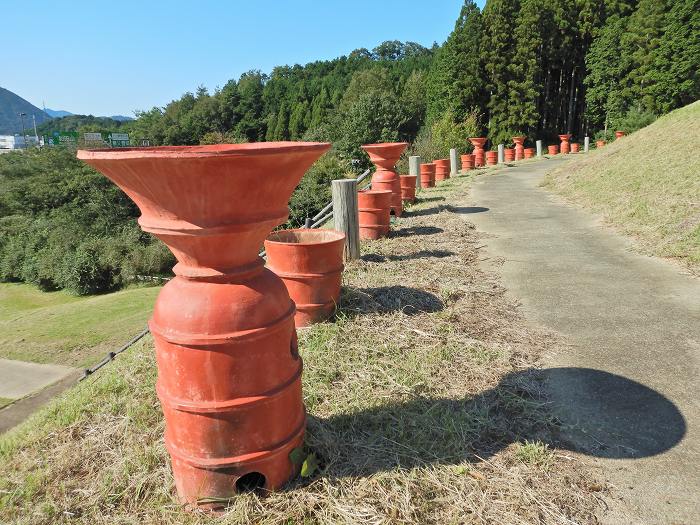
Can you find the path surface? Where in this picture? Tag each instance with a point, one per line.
(627, 389)
(33, 385)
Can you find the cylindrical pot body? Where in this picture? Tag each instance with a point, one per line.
(565, 146)
(374, 210)
(427, 175)
(479, 153)
(519, 148)
(509, 154)
(553, 149)
(619, 134)
(385, 156)
(310, 263)
(575, 148)
(408, 188)
(491, 158)
(467, 162)
(599, 143)
(229, 374)
(529, 153)
(442, 169)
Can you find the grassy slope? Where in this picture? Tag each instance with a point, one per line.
(63, 329)
(422, 406)
(646, 184)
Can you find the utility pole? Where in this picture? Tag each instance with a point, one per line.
(24, 131)
(36, 135)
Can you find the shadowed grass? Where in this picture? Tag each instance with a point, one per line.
(420, 395)
(646, 184)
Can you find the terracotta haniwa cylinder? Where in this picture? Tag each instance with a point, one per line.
(479, 154)
(427, 175)
(599, 143)
(374, 210)
(519, 148)
(229, 374)
(619, 134)
(442, 169)
(509, 154)
(565, 145)
(467, 162)
(310, 263)
(529, 153)
(385, 156)
(408, 188)
(553, 149)
(575, 148)
(491, 158)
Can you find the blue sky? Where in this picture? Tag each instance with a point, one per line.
(108, 58)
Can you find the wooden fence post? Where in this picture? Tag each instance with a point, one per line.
(414, 169)
(501, 154)
(586, 144)
(345, 215)
(453, 163)
(539, 148)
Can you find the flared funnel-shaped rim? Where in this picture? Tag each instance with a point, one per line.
(565, 136)
(385, 152)
(304, 237)
(519, 138)
(478, 141)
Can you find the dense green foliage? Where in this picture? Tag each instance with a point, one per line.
(81, 123)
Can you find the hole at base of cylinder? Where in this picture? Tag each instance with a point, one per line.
(251, 482)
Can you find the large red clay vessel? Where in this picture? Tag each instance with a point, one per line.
(529, 153)
(310, 263)
(509, 154)
(575, 147)
(442, 169)
(599, 143)
(467, 162)
(479, 154)
(519, 147)
(374, 213)
(408, 188)
(619, 134)
(385, 156)
(553, 149)
(427, 175)
(229, 374)
(565, 146)
(491, 158)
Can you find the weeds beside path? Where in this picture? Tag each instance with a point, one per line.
(425, 406)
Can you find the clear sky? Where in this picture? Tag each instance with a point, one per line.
(114, 57)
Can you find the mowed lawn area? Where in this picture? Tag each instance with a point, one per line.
(60, 328)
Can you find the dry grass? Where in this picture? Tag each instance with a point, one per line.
(646, 184)
(424, 401)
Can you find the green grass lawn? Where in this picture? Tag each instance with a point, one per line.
(64, 329)
(647, 185)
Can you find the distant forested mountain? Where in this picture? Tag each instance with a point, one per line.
(11, 106)
(81, 123)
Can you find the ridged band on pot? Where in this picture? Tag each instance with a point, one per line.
(427, 175)
(385, 156)
(529, 153)
(408, 188)
(519, 148)
(553, 149)
(374, 207)
(479, 154)
(467, 162)
(229, 373)
(509, 154)
(310, 263)
(442, 169)
(491, 158)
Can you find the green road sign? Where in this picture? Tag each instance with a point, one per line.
(61, 138)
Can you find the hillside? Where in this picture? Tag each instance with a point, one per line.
(80, 123)
(646, 184)
(11, 106)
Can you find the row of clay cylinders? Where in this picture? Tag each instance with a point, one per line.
(375, 206)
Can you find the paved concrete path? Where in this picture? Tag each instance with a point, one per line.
(627, 390)
(33, 385)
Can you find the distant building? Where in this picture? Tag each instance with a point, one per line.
(16, 142)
